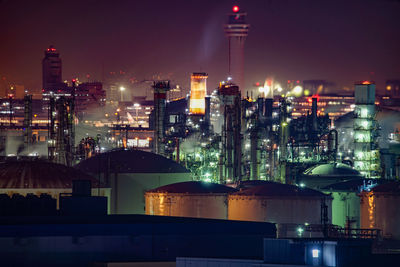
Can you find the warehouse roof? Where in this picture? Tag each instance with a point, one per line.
(130, 161)
(194, 187)
(39, 174)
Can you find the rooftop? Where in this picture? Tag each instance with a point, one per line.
(194, 187)
(279, 190)
(130, 161)
(39, 174)
(332, 169)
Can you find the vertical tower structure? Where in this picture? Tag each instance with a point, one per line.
(51, 65)
(27, 121)
(236, 30)
(160, 95)
(366, 151)
(198, 91)
(231, 154)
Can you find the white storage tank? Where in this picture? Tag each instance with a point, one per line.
(380, 209)
(130, 173)
(278, 203)
(189, 199)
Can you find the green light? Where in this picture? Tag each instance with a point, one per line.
(300, 231)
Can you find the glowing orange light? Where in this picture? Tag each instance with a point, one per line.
(235, 9)
(366, 82)
(198, 91)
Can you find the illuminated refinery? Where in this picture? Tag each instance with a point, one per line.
(280, 165)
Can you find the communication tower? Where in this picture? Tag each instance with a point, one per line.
(236, 30)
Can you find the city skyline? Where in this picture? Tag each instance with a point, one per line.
(339, 41)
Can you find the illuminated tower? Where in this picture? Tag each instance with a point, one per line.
(51, 70)
(366, 151)
(198, 91)
(236, 30)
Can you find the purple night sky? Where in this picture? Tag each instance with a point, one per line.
(339, 41)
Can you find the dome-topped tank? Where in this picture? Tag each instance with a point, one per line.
(130, 161)
(189, 199)
(278, 203)
(130, 173)
(26, 174)
(320, 176)
(41, 177)
(380, 209)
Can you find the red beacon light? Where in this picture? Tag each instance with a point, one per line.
(235, 9)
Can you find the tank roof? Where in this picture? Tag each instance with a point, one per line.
(194, 187)
(390, 187)
(130, 161)
(39, 174)
(332, 169)
(279, 190)
(354, 185)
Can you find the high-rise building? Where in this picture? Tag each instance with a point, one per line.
(366, 151)
(198, 91)
(52, 76)
(236, 30)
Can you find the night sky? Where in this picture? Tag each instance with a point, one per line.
(340, 41)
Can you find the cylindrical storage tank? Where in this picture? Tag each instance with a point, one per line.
(279, 203)
(189, 199)
(380, 209)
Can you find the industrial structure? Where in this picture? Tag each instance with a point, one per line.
(288, 206)
(198, 92)
(160, 92)
(366, 150)
(236, 30)
(129, 173)
(36, 177)
(189, 199)
(379, 209)
(226, 155)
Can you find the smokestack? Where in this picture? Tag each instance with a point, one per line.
(207, 114)
(160, 94)
(231, 131)
(27, 121)
(314, 110)
(332, 144)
